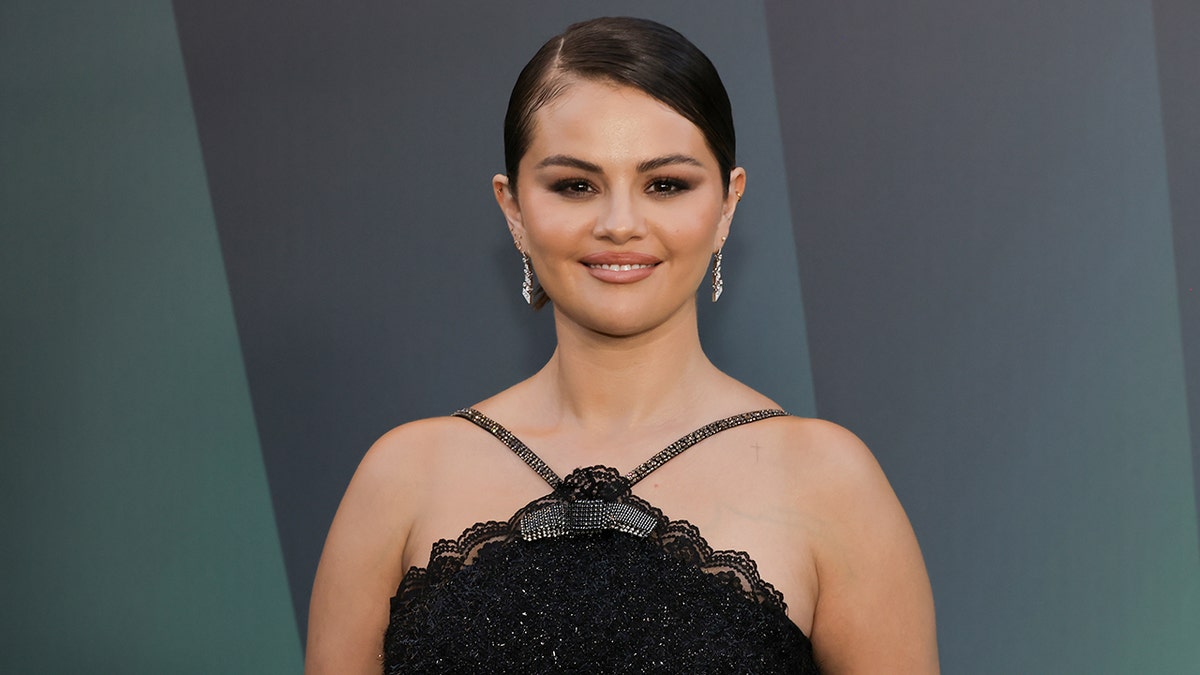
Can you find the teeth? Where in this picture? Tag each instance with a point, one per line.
(619, 268)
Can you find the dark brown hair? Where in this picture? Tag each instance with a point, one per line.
(637, 53)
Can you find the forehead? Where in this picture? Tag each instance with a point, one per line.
(600, 120)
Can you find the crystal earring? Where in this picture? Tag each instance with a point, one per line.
(527, 284)
(718, 283)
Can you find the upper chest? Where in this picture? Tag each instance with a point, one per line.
(739, 497)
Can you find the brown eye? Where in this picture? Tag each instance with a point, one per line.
(667, 186)
(572, 187)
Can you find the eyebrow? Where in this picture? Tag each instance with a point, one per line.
(667, 160)
(569, 162)
(643, 167)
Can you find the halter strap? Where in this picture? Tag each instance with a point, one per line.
(710, 429)
(644, 469)
(506, 437)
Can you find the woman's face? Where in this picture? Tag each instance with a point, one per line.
(621, 204)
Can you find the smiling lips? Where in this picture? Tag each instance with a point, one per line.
(620, 268)
(615, 268)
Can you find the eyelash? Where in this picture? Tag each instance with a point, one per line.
(671, 185)
(662, 186)
(566, 187)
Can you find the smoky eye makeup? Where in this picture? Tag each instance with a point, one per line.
(668, 185)
(571, 187)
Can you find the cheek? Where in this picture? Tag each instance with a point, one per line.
(553, 234)
(693, 230)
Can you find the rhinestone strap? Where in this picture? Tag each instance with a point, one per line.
(695, 437)
(506, 437)
(529, 457)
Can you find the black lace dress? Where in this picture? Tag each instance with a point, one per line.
(591, 579)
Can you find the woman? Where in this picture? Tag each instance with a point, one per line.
(620, 187)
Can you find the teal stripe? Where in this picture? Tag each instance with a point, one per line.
(138, 530)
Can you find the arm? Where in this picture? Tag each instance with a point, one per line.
(361, 564)
(874, 610)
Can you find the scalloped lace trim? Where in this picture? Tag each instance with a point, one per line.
(678, 538)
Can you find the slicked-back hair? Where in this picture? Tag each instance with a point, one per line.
(625, 51)
(637, 53)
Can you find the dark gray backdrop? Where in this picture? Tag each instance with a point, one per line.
(235, 254)
(349, 157)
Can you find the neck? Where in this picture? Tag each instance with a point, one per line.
(603, 383)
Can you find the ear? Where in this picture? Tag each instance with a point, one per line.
(737, 189)
(511, 209)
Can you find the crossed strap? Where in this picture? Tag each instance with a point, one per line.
(561, 518)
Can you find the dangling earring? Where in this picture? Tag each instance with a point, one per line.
(718, 283)
(527, 284)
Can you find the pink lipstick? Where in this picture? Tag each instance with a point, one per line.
(620, 267)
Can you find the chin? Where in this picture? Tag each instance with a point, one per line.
(621, 321)
(619, 330)
(614, 325)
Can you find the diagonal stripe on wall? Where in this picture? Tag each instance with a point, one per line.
(350, 155)
(984, 238)
(138, 534)
(1177, 23)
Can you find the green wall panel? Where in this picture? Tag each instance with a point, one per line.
(138, 531)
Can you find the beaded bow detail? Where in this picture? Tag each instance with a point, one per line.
(587, 515)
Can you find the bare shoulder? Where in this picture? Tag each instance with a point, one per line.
(361, 564)
(405, 452)
(813, 435)
(874, 610)
(837, 460)
(834, 477)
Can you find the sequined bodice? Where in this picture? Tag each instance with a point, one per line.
(591, 578)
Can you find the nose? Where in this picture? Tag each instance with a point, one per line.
(620, 219)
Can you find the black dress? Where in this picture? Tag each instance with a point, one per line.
(591, 579)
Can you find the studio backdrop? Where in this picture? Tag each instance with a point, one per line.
(241, 239)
